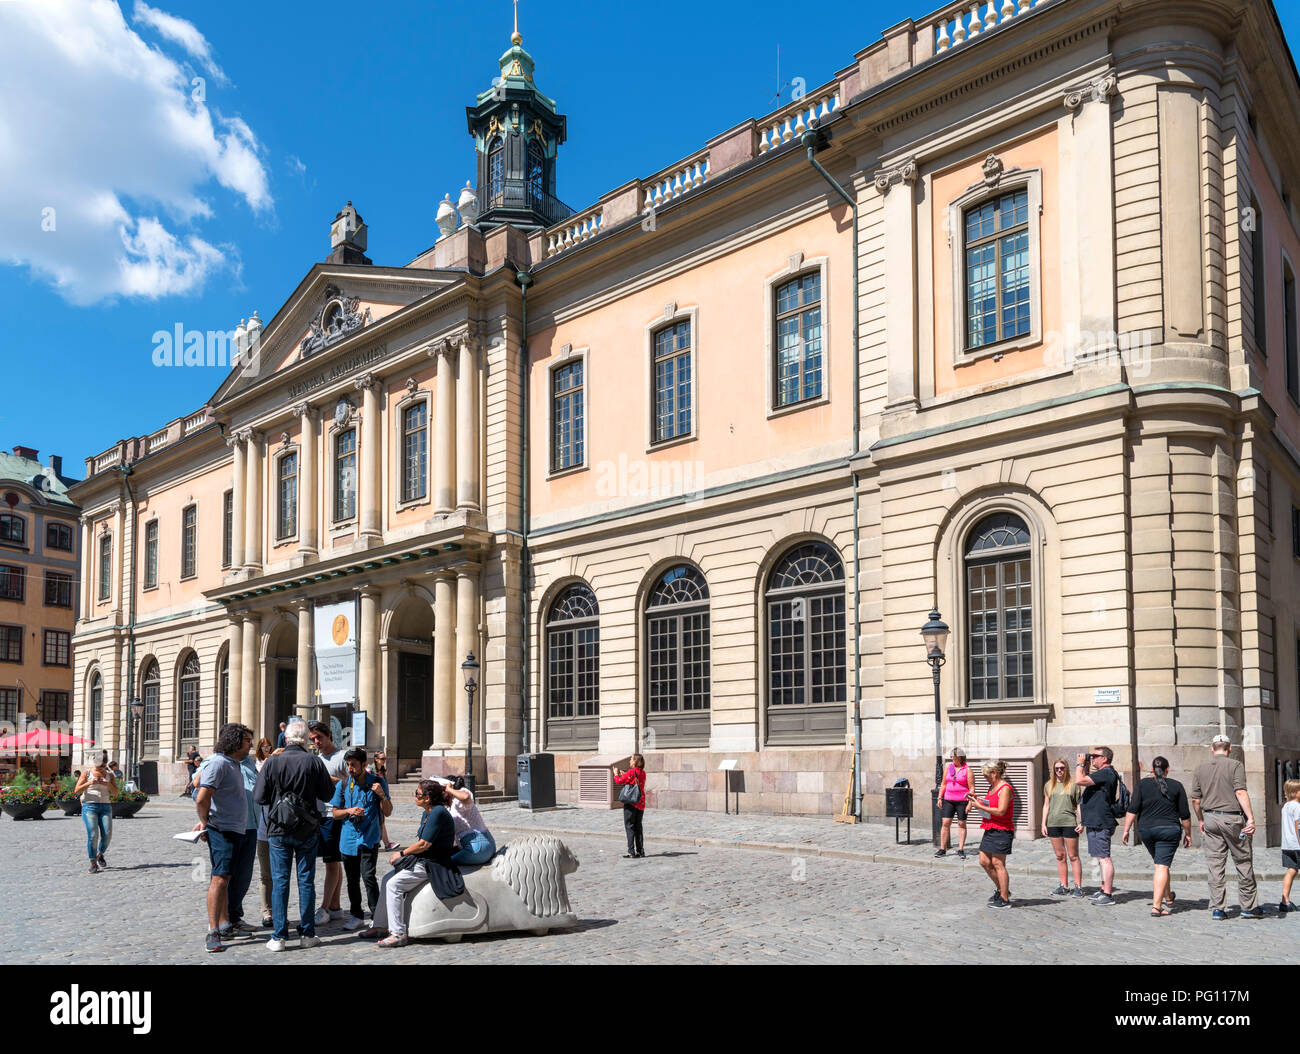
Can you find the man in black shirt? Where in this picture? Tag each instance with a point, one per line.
(192, 762)
(1099, 787)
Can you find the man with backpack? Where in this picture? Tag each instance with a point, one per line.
(1104, 799)
(290, 785)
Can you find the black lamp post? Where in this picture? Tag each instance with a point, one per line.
(935, 635)
(468, 669)
(133, 742)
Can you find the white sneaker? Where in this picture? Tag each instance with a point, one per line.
(274, 945)
(309, 942)
(340, 914)
(322, 917)
(354, 924)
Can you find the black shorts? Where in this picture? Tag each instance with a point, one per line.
(330, 833)
(1062, 832)
(997, 842)
(1291, 859)
(950, 807)
(1162, 843)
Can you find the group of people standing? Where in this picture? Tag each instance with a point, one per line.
(1091, 800)
(288, 808)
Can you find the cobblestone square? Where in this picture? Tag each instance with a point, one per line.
(822, 899)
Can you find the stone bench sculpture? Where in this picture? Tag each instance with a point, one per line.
(522, 888)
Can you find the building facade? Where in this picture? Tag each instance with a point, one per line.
(999, 321)
(39, 576)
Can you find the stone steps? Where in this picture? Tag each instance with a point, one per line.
(403, 790)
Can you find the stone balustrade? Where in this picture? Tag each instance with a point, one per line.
(108, 459)
(676, 180)
(157, 441)
(964, 21)
(790, 122)
(194, 422)
(575, 230)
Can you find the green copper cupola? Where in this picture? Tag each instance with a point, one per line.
(517, 133)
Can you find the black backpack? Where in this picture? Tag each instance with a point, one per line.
(297, 818)
(1122, 798)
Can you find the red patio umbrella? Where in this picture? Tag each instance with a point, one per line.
(39, 741)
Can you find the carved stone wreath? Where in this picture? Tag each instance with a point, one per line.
(337, 318)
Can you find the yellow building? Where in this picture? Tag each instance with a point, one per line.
(39, 557)
(999, 320)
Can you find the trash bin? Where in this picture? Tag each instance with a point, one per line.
(536, 781)
(149, 778)
(898, 806)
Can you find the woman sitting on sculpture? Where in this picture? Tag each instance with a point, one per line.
(427, 859)
(475, 841)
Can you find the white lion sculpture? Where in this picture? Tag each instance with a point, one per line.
(521, 889)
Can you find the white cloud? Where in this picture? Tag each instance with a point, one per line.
(180, 32)
(109, 157)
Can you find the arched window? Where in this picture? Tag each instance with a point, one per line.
(96, 709)
(496, 169)
(677, 657)
(999, 610)
(807, 659)
(536, 173)
(190, 700)
(573, 670)
(151, 694)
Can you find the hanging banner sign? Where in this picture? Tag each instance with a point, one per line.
(335, 628)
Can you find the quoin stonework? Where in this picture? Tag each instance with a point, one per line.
(688, 468)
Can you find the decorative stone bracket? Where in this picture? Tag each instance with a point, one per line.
(1099, 89)
(903, 172)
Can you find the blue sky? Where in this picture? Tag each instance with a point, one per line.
(308, 106)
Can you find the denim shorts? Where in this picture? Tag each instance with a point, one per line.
(1099, 842)
(223, 846)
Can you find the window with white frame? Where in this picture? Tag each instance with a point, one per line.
(227, 526)
(678, 696)
(999, 610)
(151, 554)
(286, 519)
(573, 668)
(798, 324)
(415, 452)
(345, 475)
(567, 416)
(57, 648)
(151, 693)
(672, 381)
(190, 700)
(105, 566)
(189, 541)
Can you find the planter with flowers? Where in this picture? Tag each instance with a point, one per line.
(128, 803)
(24, 798)
(64, 798)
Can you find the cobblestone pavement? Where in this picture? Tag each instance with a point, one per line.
(685, 903)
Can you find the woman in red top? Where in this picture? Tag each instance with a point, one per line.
(633, 813)
(999, 830)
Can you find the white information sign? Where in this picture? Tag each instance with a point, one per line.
(335, 629)
(1105, 695)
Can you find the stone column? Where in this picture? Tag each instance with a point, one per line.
(896, 184)
(238, 499)
(234, 710)
(253, 502)
(467, 437)
(88, 571)
(370, 460)
(444, 484)
(445, 663)
(1088, 226)
(250, 692)
(302, 687)
(466, 641)
(368, 658)
(308, 510)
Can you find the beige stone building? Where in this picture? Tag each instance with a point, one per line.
(999, 320)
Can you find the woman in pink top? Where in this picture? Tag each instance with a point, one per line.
(952, 800)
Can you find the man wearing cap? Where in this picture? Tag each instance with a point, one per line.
(1218, 794)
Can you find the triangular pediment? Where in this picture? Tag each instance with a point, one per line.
(335, 305)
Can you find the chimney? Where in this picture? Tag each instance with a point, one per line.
(348, 238)
(56, 464)
(26, 452)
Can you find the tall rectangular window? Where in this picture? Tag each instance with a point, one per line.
(567, 417)
(105, 565)
(997, 269)
(151, 554)
(58, 590)
(1289, 318)
(189, 540)
(799, 340)
(415, 452)
(345, 475)
(1259, 280)
(11, 644)
(672, 381)
(12, 582)
(227, 526)
(9, 707)
(58, 648)
(286, 522)
(58, 536)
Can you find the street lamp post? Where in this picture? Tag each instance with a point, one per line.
(133, 742)
(468, 669)
(935, 635)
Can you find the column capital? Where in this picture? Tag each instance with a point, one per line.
(371, 591)
(302, 605)
(366, 382)
(1099, 89)
(903, 172)
(306, 410)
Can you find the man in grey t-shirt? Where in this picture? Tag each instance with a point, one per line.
(223, 809)
(1218, 794)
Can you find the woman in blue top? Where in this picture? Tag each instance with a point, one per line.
(360, 803)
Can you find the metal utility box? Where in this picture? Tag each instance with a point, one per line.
(596, 786)
(536, 781)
